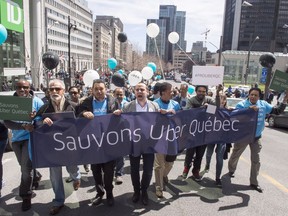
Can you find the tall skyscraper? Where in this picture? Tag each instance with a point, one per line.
(169, 20)
(263, 18)
(180, 28)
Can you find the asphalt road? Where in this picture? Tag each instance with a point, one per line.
(182, 197)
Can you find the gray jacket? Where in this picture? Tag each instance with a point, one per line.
(131, 106)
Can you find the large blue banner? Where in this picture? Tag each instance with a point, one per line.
(105, 138)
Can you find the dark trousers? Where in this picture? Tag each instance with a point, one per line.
(20, 149)
(104, 181)
(148, 161)
(3, 144)
(199, 152)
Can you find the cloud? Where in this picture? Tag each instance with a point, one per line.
(200, 15)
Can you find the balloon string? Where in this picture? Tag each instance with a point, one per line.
(159, 58)
(186, 54)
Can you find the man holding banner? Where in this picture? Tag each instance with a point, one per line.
(58, 104)
(164, 163)
(20, 143)
(199, 100)
(263, 108)
(95, 105)
(141, 104)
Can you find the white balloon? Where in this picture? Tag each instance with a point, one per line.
(134, 78)
(147, 73)
(173, 37)
(152, 30)
(89, 76)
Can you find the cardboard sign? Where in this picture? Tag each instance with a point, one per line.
(15, 108)
(207, 75)
(279, 81)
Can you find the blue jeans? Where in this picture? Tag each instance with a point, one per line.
(3, 144)
(220, 150)
(148, 161)
(119, 167)
(57, 182)
(20, 149)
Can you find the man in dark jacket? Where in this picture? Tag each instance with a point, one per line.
(58, 103)
(95, 105)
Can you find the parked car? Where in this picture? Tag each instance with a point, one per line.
(278, 120)
(232, 102)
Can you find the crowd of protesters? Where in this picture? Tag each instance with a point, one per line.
(100, 100)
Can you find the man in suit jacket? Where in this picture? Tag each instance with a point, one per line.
(141, 104)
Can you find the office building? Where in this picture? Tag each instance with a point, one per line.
(170, 20)
(245, 20)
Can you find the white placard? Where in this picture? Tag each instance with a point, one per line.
(14, 71)
(211, 109)
(207, 75)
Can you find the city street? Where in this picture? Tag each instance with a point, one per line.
(182, 197)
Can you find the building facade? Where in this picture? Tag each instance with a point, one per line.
(244, 22)
(235, 63)
(106, 43)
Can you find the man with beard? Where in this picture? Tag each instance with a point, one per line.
(199, 100)
(58, 103)
(20, 143)
(141, 104)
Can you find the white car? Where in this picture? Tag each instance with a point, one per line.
(232, 102)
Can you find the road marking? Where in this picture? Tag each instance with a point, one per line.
(6, 160)
(269, 178)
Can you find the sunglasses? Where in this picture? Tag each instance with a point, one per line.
(73, 93)
(20, 87)
(56, 89)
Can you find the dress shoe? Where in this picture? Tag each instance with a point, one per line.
(231, 174)
(110, 199)
(97, 200)
(76, 185)
(55, 209)
(26, 204)
(257, 188)
(144, 198)
(136, 197)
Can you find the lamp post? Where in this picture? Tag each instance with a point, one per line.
(248, 60)
(74, 27)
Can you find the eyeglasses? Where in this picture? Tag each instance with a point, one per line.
(20, 87)
(141, 90)
(56, 89)
(73, 93)
(119, 94)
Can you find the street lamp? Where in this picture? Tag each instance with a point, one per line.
(248, 59)
(74, 27)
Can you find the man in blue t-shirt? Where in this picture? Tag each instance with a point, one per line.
(161, 166)
(95, 105)
(253, 101)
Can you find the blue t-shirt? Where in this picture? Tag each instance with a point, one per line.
(100, 107)
(264, 108)
(167, 106)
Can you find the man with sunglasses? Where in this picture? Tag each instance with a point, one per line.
(141, 104)
(58, 103)
(20, 142)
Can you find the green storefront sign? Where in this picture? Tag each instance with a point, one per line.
(279, 81)
(11, 14)
(15, 108)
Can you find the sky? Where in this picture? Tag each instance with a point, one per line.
(201, 15)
